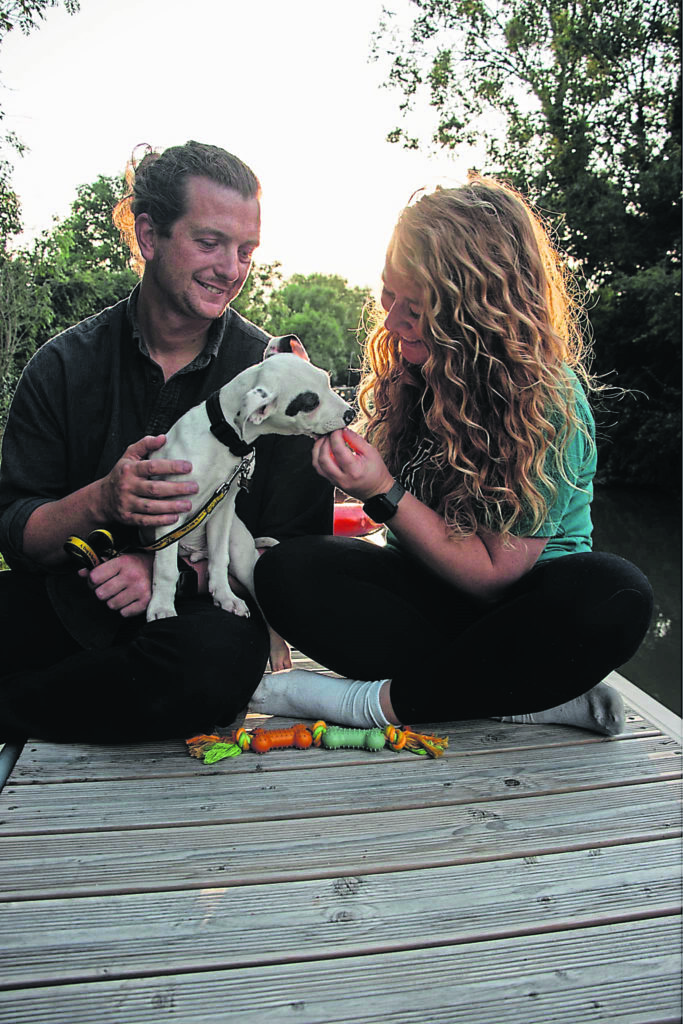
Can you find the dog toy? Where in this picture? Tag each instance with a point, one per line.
(298, 736)
(334, 736)
(214, 747)
(349, 444)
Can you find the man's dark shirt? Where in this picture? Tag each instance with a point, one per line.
(91, 392)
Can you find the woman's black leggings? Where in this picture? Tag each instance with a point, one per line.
(369, 612)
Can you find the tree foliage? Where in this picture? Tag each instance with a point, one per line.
(578, 105)
(25, 15)
(69, 273)
(82, 258)
(321, 309)
(23, 305)
(88, 233)
(325, 313)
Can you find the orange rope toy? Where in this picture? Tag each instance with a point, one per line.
(213, 748)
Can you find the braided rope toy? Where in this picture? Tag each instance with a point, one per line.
(214, 747)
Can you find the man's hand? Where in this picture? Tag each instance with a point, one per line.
(132, 492)
(124, 583)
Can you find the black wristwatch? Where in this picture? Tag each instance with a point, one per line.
(382, 507)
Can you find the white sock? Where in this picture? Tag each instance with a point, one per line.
(600, 710)
(298, 693)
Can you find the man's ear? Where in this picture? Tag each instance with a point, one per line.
(286, 343)
(256, 406)
(146, 235)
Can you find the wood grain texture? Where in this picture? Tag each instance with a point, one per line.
(533, 875)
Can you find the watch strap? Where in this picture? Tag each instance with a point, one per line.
(382, 507)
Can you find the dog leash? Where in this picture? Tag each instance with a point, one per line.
(99, 545)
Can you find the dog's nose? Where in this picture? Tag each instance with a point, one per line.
(349, 416)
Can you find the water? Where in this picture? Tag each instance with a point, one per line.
(646, 529)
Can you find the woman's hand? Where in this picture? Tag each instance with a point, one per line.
(124, 583)
(482, 564)
(350, 463)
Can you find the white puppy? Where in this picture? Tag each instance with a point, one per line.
(284, 394)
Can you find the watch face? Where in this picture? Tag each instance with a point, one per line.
(380, 508)
(383, 506)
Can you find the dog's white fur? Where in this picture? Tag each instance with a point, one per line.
(271, 397)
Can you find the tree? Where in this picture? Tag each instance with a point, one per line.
(585, 101)
(26, 16)
(325, 313)
(320, 309)
(89, 233)
(585, 94)
(254, 300)
(82, 258)
(24, 306)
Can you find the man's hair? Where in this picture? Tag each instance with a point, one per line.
(157, 186)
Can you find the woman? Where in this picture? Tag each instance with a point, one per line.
(479, 453)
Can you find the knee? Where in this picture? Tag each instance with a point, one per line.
(271, 573)
(281, 571)
(621, 609)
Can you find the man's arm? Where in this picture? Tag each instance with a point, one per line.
(131, 494)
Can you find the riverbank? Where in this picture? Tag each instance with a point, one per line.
(646, 529)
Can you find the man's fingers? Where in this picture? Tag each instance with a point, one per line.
(161, 467)
(161, 490)
(145, 446)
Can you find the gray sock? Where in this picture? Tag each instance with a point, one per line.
(298, 693)
(600, 710)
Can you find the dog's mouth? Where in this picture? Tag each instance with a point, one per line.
(322, 433)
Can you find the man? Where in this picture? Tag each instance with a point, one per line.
(79, 659)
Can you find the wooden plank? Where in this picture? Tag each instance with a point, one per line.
(628, 972)
(403, 781)
(330, 846)
(133, 936)
(44, 762)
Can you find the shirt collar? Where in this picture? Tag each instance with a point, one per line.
(216, 334)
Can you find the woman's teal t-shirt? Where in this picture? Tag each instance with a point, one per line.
(568, 526)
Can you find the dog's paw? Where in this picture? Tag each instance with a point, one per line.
(157, 610)
(235, 606)
(226, 600)
(265, 542)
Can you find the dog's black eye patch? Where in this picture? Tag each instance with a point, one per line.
(307, 401)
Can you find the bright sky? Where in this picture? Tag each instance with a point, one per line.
(286, 86)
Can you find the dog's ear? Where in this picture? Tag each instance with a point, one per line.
(286, 343)
(256, 406)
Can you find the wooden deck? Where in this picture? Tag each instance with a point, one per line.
(532, 874)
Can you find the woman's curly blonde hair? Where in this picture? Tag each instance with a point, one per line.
(502, 323)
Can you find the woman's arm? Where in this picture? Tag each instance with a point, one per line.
(482, 565)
